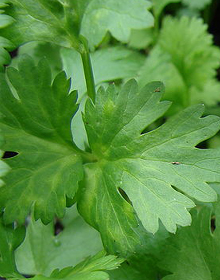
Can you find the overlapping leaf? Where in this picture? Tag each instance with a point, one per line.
(61, 22)
(158, 170)
(37, 127)
(42, 251)
(193, 253)
(118, 17)
(93, 268)
(5, 44)
(109, 64)
(186, 61)
(10, 239)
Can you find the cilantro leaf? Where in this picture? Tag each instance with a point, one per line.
(5, 44)
(193, 253)
(118, 17)
(196, 4)
(61, 22)
(34, 255)
(185, 60)
(41, 20)
(109, 64)
(10, 239)
(158, 170)
(36, 126)
(92, 268)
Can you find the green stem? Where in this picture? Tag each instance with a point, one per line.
(88, 72)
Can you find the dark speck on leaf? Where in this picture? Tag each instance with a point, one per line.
(175, 163)
(157, 90)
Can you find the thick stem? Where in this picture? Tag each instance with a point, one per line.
(88, 72)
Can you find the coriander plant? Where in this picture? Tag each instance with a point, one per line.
(101, 177)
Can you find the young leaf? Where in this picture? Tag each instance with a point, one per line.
(109, 64)
(37, 127)
(10, 239)
(92, 268)
(158, 170)
(184, 59)
(118, 17)
(194, 251)
(42, 251)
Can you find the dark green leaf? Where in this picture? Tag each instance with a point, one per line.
(37, 127)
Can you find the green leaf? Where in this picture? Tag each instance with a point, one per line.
(36, 126)
(159, 5)
(197, 4)
(193, 253)
(117, 17)
(42, 251)
(92, 268)
(141, 39)
(5, 44)
(62, 22)
(158, 170)
(37, 50)
(185, 60)
(10, 239)
(41, 20)
(126, 272)
(109, 64)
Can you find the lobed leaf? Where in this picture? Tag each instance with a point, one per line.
(92, 268)
(117, 17)
(62, 22)
(193, 253)
(160, 170)
(186, 61)
(48, 167)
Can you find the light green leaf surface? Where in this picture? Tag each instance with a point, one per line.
(197, 4)
(193, 253)
(42, 251)
(109, 64)
(158, 170)
(92, 268)
(141, 38)
(117, 17)
(36, 126)
(10, 239)
(186, 61)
